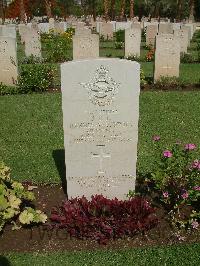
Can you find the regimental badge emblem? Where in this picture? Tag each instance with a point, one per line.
(102, 88)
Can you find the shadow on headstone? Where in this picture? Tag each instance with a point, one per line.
(4, 261)
(59, 158)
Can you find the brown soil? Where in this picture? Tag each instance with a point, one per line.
(38, 239)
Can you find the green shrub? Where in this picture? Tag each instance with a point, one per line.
(15, 202)
(35, 78)
(165, 83)
(57, 46)
(120, 36)
(187, 58)
(7, 90)
(119, 45)
(142, 78)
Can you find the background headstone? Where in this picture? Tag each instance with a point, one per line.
(165, 28)
(182, 34)
(132, 42)
(106, 30)
(100, 101)
(8, 61)
(151, 32)
(85, 46)
(167, 56)
(32, 43)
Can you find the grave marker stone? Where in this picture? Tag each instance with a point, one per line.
(32, 43)
(165, 28)
(101, 134)
(167, 56)
(85, 46)
(132, 42)
(182, 34)
(151, 32)
(8, 61)
(106, 30)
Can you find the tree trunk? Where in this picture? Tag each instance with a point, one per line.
(191, 8)
(22, 12)
(2, 13)
(122, 9)
(179, 9)
(112, 9)
(48, 8)
(94, 13)
(131, 9)
(106, 10)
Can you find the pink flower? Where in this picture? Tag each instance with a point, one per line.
(195, 164)
(185, 195)
(156, 138)
(165, 194)
(167, 154)
(195, 224)
(197, 188)
(190, 146)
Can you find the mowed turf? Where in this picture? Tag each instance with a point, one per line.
(31, 130)
(182, 255)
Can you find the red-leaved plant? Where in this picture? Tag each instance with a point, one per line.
(102, 219)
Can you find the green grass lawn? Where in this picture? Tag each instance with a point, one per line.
(183, 255)
(31, 130)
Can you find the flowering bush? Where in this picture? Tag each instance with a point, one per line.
(119, 45)
(36, 78)
(142, 78)
(102, 219)
(150, 55)
(57, 46)
(14, 199)
(177, 180)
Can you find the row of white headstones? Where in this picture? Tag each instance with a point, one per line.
(169, 44)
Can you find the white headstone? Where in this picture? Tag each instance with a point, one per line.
(183, 36)
(151, 32)
(32, 43)
(82, 31)
(23, 30)
(51, 24)
(132, 42)
(165, 28)
(106, 30)
(100, 101)
(167, 56)
(123, 25)
(8, 61)
(85, 46)
(8, 31)
(43, 27)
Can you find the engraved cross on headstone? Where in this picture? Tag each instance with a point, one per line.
(101, 155)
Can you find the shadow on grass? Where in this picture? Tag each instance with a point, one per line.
(59, 158)
(4, 261)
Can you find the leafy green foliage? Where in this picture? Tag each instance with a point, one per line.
(35, 78)
(14, 199)
(57, 46)
(166, 83)
(8, 90)
(120, 36)
(187, 58)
